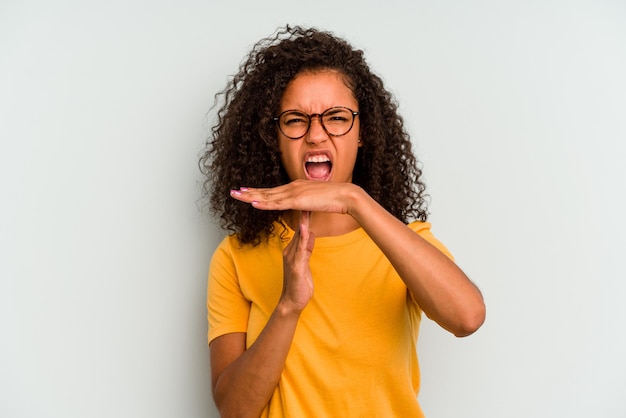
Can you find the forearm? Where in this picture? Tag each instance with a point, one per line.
(438, 285)
(246, 385)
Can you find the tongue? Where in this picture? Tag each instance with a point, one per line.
(318, 170)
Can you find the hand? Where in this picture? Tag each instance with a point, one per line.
(305, 195)
(297, 280)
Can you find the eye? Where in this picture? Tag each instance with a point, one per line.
(294, 118)
(337, 116)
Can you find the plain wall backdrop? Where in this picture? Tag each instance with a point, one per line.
(517, 112)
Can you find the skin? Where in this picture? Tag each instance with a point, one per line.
(244, 380)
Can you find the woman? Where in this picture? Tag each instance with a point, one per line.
(315, 298)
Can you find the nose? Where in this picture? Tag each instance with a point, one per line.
(317, 134)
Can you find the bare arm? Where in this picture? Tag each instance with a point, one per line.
(243, 380)
(440, 287)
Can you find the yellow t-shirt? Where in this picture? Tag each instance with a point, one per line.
(354, 350)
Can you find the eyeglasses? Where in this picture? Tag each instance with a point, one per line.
(336, 121)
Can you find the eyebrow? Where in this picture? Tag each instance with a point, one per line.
(333, 109)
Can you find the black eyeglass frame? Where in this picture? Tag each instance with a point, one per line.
(310, 117)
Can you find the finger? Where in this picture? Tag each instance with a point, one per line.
(303, 229)
(244, 194)
(307, 238)
(298, 248)
(305, 218)
(295, 240)
(264, 199)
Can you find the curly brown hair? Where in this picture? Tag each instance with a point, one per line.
(243, 148)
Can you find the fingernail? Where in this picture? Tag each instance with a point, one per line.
(243, 189)
(255, 202)
(235, 192)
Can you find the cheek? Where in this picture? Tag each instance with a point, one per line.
(289, 159)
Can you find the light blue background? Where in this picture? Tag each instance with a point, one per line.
(517, 111)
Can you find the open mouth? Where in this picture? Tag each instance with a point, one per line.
(318, 167)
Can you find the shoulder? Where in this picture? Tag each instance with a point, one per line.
(423, 229)
(420, 226)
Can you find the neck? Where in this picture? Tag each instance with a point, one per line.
(324, 224)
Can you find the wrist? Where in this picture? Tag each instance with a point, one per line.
(355, 200)
(288, 309)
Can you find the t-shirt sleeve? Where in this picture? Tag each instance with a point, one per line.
(423, 230)
(227, 307)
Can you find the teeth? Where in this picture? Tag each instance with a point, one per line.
(317, 159)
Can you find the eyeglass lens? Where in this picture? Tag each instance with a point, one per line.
(336, 121)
